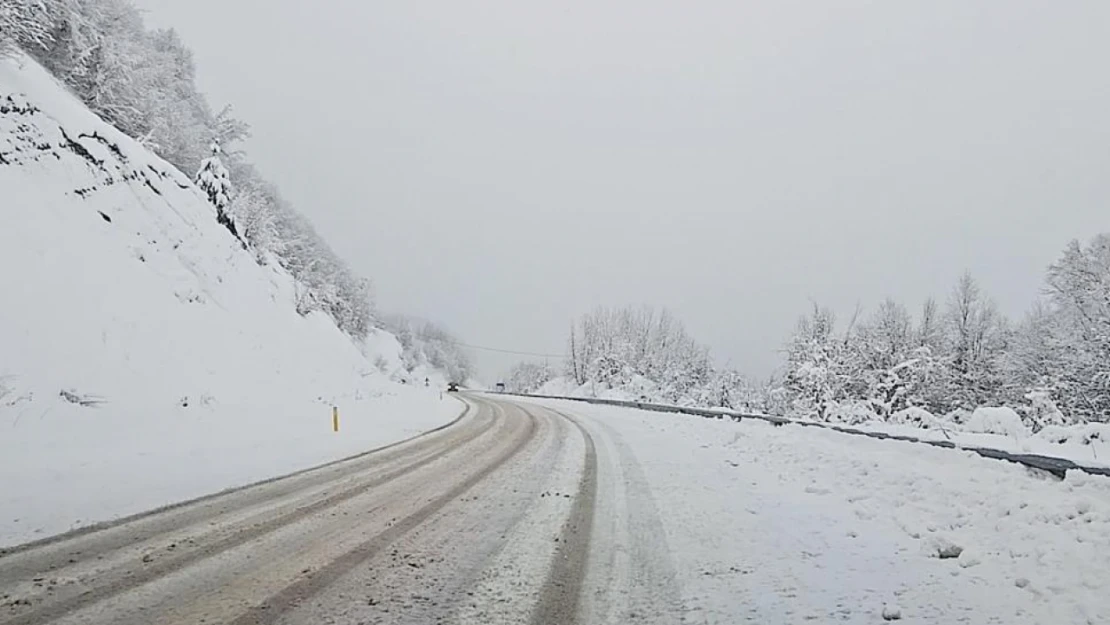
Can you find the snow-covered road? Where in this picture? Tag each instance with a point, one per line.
(509, 515)
(550, 512)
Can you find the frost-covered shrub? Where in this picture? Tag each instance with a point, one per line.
(1042, 411)
(914, 416)
(528, 377)
(996, 420)
(852, 413)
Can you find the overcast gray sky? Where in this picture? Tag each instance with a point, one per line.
(502, 166)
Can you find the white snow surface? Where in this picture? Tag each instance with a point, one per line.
(997, 420)
(1000, 428)
(990, 427)
(638, 387)
(796, 524)
(145, 357)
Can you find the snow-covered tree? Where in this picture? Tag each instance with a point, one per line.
(1053, 367)
(616, 347)
(893, 358)
(177, 121)
(253, 208)
(887, 363)
(819, 367)
(74, 36)
(143, 82)
(727, 388)
(1076, 334)
(25, 23)
(976, 339)
(885, 339)
(425, 343)
(528, 377)
(214, 179)
(930, 329)
(114, 74)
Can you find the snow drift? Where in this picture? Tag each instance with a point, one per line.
(145, 357)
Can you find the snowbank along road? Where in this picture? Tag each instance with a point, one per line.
(506, 515)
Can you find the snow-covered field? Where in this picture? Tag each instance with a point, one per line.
(802, 525)
(145, 357)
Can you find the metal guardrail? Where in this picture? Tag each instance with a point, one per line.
(1051, 464)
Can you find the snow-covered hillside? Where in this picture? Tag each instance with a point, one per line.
(145, 356)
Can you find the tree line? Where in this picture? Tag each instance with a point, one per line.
(641, 352)
(142, 81)
(953, 355)
(1052, 365)
(425, 343)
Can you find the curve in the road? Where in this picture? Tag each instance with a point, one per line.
(47, 580)
(513, 513)
(297, 592)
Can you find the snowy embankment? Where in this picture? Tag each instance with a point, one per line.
(145, 357)
(1002, 428)
(802, 525)
(993, 428)
(639, 388)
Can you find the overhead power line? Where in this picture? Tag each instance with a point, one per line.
(507, 351)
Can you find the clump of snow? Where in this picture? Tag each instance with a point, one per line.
(147, 357)
(915, 416)
(997, 420)
(891, 612)
(943, 548)
(967, 559)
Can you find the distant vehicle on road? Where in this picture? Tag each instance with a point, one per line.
(500, 387)
(452, 387)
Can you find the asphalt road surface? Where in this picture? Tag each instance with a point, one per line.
(513, 513)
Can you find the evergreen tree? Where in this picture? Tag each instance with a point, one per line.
(214, 179)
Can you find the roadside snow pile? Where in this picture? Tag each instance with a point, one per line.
(1004, 421)
(800, 524)
(1003, 429)
(990, 427)
(145, 357)
(638, 388)
(917, 417)
(1091, 434)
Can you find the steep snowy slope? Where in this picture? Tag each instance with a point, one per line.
(144, 356)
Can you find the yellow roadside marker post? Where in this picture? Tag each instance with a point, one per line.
(335, 418)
